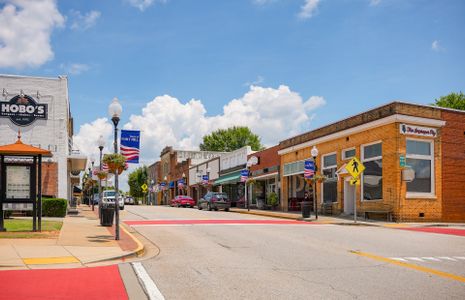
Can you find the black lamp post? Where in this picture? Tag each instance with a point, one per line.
(314, 153)
(115, 109)
(101, 144)
(91, 196)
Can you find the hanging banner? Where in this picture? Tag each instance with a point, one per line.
(205, 179)
(130, 144)
(309, 169)
(244, 175)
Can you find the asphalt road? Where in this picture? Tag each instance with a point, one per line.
(289, 261)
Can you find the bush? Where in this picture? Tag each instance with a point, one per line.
(54, 207)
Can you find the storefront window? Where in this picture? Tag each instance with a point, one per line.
(348, 153)
(420, 159)
(373, 174)
(330, 184)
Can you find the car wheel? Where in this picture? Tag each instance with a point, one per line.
(226, 209)
(216, 208)
(121, 208)
(209, 207)
(199, 206)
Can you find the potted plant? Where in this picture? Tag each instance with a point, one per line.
(272, 200)
(115, 162)
(101, 174)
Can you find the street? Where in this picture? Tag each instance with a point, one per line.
(233, 256)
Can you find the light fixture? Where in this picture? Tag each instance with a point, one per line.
(115, 109)
(314, 152)
(101, 142)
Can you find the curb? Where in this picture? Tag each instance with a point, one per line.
(140, 247)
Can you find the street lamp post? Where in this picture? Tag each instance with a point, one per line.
(92, 160)
(101, 144)
(151, 192)
(115, 109)
(165, 189)
(184, 186)
(314, 153)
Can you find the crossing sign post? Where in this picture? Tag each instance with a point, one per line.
(355, 168)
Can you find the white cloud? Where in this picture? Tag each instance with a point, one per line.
(258, 81)
(374, 2)
(262, 2)
(273, 114)
(435, 46)
(84, 22)
(143, 4)
(308, 9)
(25, 30)
(75, 69)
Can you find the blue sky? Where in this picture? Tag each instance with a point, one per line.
(325, 59)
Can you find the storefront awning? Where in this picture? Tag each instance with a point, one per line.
(229, 178)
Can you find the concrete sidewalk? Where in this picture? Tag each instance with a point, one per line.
(82, 241)
(340, 220)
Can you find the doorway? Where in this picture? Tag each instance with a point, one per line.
(349, 198)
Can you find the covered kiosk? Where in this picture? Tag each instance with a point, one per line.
(21, 178)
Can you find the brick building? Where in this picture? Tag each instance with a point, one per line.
(265, 175)
(387, 140)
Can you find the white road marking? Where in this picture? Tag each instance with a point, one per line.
(150, 287)
(447, 258)
(398, 258)
(431, 258)
(460, 257)
(415, 259)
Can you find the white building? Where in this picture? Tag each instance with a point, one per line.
(39, 107)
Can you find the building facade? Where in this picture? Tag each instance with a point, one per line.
(198, 186)
(387, 140)
(39, 107)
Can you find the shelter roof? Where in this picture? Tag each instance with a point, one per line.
(21, 149)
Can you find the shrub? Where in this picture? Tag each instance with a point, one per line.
(54, 207)
(273, 199)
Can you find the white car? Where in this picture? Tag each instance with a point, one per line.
(108, 197)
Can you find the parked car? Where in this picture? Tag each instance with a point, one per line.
(214, 200)
(129, 200)
(108, 197)
(182, 200)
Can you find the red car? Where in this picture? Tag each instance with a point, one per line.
(184, 201)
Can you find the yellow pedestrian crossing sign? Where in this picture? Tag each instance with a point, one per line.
(355, 167)
(355, 181)
(144, 187)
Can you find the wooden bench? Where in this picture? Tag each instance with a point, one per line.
(388, 213)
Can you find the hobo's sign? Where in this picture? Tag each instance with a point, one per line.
(23, 110)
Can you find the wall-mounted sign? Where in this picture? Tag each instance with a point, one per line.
(418, 130)
(402, 161)
(23, 110)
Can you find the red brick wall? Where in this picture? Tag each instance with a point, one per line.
(453, 171)
(50, 179)
(267, 158)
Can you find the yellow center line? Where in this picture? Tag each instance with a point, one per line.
(410, 266)
(50, 260)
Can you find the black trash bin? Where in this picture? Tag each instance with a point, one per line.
(106, 215)
(306, 207)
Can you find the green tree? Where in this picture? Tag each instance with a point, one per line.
(136, 179)
(231, 139)
(453, 100)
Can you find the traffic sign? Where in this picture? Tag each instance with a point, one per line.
(144, 187)
(355, 181)
(355, 167)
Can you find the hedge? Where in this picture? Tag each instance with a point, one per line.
(54, 207)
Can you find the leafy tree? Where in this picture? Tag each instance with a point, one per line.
(231, 139)
(136, 179)
(453, 100)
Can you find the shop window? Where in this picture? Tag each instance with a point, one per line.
(329, 186)
(420, 159)
(348, 153)
(372, 179)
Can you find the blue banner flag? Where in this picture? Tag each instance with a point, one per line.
(130, 145)
(244, 175)
(309, 170)
(205, 179)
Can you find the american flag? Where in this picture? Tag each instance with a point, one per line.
(131, 153)
(104, 167)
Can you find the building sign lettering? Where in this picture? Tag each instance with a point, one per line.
(417, 130)
(23, 110)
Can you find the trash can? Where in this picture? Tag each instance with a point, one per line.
(106, 215)
(306, 207)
